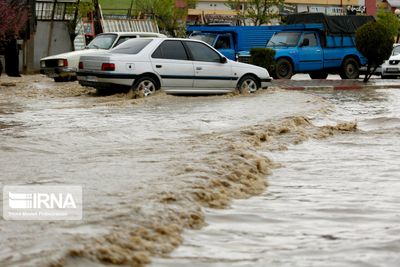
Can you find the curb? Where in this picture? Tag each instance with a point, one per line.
(340, 87)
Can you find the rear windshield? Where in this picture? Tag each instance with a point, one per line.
(396, 50)
(132, 46)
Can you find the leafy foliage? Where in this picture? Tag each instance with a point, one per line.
(169, 17)
(263, 57)
(389, 21)
(13, 18)
(375, 42)
(78, 11)
(258, 11)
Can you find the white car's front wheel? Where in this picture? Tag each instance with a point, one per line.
(248, 84)
(145, 86)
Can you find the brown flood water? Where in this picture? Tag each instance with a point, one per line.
(147, 166)
(334, 202)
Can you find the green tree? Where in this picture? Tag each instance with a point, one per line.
(78, 10)
(169, 17)
(375, 42)
(389, 21)
(258, 11)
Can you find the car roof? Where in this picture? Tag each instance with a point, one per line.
(160, 39)
(155, 34)
(175, 38)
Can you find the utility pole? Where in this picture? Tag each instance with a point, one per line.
(97, 18)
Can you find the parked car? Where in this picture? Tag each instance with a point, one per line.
(175, 65)
(391, 67)
(63, 67)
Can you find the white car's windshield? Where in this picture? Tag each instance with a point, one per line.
(132, 46)
(103, 41)
(208, 38)
(284, 39)
(396, 51)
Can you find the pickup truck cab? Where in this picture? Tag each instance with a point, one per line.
(63, 67)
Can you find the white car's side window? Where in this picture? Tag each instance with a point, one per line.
(201, 52)
(171, 49)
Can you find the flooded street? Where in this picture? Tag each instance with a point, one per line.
(157, 172)
(147, 166)
(334, 202)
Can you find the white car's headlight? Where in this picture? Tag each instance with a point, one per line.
(42, 64)
(62, 63)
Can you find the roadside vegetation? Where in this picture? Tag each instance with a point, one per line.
(263, 57)
(375, 42)
(258, 11)
(170, 19)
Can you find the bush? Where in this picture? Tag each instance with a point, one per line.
(263, 57)
(375, 42)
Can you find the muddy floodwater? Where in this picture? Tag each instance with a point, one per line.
(334, 202)
(316, 174)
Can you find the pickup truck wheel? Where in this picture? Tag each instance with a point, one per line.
(144, 86)
(318, 75)
(248, 84)
(350, 69)
(283, 69)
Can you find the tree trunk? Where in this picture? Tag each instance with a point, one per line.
(97, 18)
(369, 73)
(12, 59)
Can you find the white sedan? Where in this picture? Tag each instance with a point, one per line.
(63, 67)
(175, 65)
(391, 67)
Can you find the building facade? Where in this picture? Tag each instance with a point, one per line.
(216, 8)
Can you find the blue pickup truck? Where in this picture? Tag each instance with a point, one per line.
(231, 40)
(316, 48)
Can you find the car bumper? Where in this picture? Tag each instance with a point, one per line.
(391, 71)
(104, 79)
(265, 83)
(58, 72)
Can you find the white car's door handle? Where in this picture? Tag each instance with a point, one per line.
(199, 68)
(158, 66)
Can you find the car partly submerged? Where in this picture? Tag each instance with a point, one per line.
(176, 65)
(63, 67)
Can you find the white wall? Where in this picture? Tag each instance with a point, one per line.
(59, 40)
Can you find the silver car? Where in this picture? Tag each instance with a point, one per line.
(175, 65)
